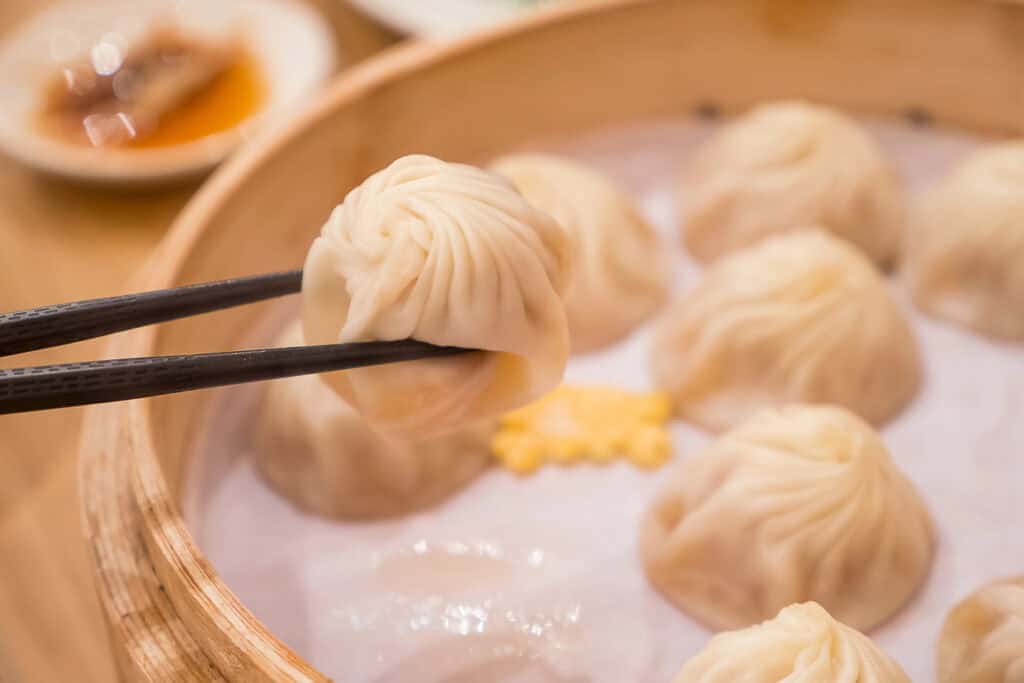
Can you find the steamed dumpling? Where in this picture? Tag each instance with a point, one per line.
(786, 165)
(982, 640)
(803, 644)
(802, 317)
(797, 504)
(324, 457)
(620, 275)
(451, 255)
(966, 245)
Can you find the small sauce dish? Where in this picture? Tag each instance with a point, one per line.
(141, 91)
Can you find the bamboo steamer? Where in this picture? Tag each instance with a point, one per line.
(171, 618)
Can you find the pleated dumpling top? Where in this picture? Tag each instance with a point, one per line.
(786, 165)
(966, 245)
(982, 640)
(802, 317)
(798, 504)
(620, 274)
(451, 255)
(803, 644)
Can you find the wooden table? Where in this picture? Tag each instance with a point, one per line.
(60, 242)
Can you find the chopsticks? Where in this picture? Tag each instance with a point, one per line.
(71, 384)
(39, 328)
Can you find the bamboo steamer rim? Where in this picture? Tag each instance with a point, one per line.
(170, 616)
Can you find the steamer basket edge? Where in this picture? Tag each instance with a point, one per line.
(169, 615)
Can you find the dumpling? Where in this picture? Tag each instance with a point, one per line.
(620, 275)
(803, 644)
(801, 503)
(802, 317)
(982, 640)
(966, 245)
(451, 255)
(324, 457)
(786, 165)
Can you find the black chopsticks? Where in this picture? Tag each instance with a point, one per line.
(40, 328)
(71, 384)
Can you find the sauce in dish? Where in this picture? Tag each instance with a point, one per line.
(168, 89)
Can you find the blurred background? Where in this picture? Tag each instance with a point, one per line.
(78, 219)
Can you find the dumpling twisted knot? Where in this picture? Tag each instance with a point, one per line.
(802, 503)
(982, 640)
(786, 165)
(803, 644)
(966, 245)
(802, 317)
(621, 272)
(451, 255)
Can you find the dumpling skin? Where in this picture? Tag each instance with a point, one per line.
(620, 275)
(325, 458)
(803, 644)
(982, 640)
(783, 166)
(966, 245)
(802, 317)
(451, 255)
(798, 504)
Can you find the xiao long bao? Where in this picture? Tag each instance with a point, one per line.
(620, 272)
(802, 503)
(803, 644)
(966, 245)
(451, 255)
(786, 165)
(802, 317)
(982, 640)
(323, 456)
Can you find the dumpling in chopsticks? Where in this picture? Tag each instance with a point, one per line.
(803, 644)
(620, 274)
(786, 165)
(982, 640)
(451, 255)
(802, 503)
(966, 244)
(802, 317)
(324, 457)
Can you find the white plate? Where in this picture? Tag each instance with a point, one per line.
(291, 43)
(443, 18)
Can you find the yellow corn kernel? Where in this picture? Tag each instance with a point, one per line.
(649, 447)
(576, 423)
(566, 449)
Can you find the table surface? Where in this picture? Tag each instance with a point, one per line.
(60, 242)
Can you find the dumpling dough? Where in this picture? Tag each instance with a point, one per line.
(803, 644)
(801, 503)
(966, 245)
(784, 166)
(802, 317)
(620, 274)
(982, 640)
(324, 457)
(451, 255)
